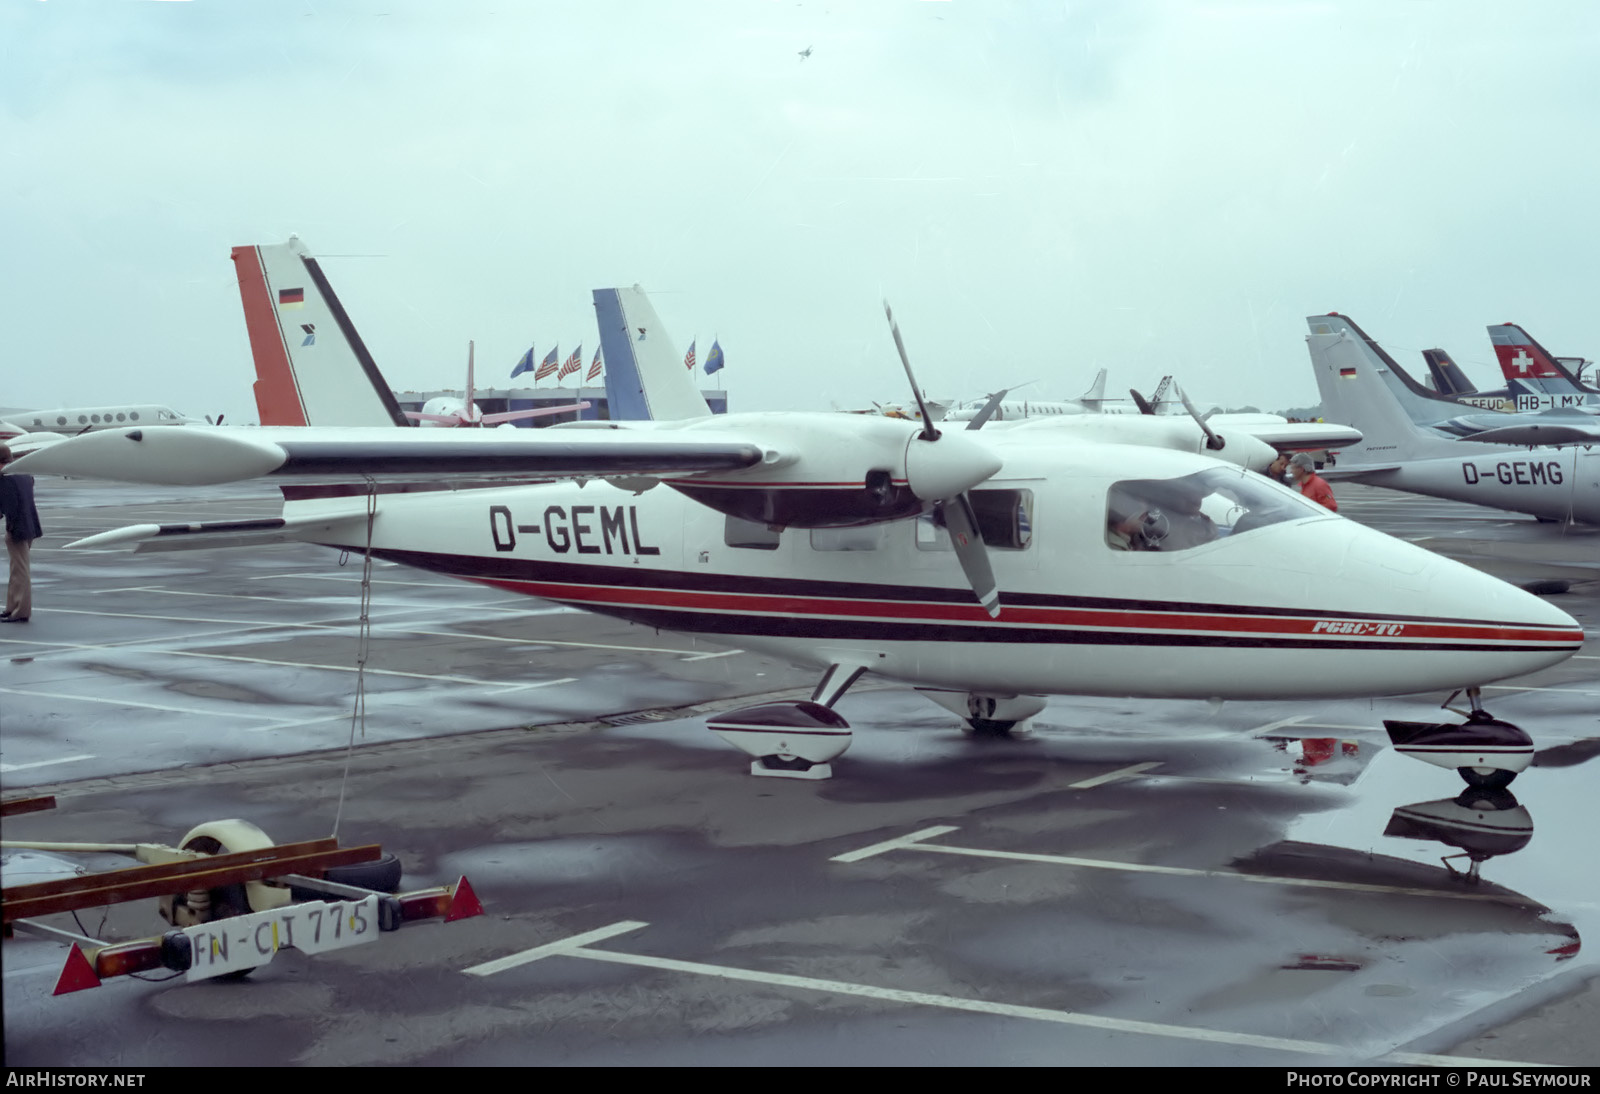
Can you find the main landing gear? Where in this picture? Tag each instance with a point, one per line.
(798, 739)
(1486, 752)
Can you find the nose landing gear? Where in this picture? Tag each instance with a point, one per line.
(1486, 752)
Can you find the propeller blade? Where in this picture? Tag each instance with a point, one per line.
(1141, 402)
(988, 409)
(971, 551)
(219, 419)
(928, 432)
(1213, 442)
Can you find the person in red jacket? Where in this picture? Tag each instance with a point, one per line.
(1304, 474)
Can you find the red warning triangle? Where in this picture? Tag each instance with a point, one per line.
(76, 974)
(464, 905)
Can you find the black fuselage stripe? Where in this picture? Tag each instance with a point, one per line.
(479, 568)
(784, 626)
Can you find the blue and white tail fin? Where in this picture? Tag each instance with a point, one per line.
(1354, 377)
(311, 366)
(645, 375)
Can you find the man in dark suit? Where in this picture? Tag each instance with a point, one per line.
(22, 528)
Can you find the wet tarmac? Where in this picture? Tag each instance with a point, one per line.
(1134, 883)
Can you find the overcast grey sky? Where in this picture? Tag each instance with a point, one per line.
(1039, 189)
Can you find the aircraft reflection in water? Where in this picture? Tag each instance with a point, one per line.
(989, 567)
(1481, 822)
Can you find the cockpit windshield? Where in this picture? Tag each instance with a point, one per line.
(1177, 514)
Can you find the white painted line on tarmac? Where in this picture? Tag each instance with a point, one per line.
(355, 579)
(576, 947)
(1558, 691)
(1130, 772)
(348, 668)
(914, 842)
(543, 642)
(894, 844)
(43, 763)
(1279, 724)
(207, 713)
(550, 949)
(710, 656)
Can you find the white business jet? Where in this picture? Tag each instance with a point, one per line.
(991, 568)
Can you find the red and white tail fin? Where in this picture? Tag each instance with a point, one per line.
(311, 366)
(1520, 357)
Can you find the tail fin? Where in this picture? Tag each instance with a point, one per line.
(1448, 379)
(1524, 361)
(1352, 376)
(1095, 397)
(311, 366)
(645, 376)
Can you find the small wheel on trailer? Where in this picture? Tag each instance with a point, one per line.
(382, 873)
(1486, 778)
(223, 901)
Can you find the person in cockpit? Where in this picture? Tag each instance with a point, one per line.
(1165, 517)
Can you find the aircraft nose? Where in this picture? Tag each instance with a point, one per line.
(1523, 632)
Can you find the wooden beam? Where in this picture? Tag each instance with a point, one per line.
(213, 871)
(16, 806)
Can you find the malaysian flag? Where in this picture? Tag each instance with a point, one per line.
(594, 369)
(547, 367)
(688, 361)
(574, 363)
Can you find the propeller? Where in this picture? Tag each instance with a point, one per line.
(954, 508)
(989, 408)
(1213, 441)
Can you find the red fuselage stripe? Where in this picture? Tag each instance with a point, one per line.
(748, 603)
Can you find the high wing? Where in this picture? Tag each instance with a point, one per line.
(197, 457)
(1291, 436)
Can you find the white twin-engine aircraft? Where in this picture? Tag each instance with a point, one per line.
(989, 567)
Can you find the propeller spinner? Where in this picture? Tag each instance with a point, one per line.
(942, 470)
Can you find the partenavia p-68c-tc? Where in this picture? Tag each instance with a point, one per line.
(991, 567)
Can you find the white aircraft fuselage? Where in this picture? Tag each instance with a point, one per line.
(1308, 605)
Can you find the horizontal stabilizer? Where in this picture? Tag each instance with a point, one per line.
(1545, 434)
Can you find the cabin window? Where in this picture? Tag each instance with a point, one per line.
(861, 537)
(133, 415)
(1005, 520)
(737, 532)
(121, 417)
(1193, 510)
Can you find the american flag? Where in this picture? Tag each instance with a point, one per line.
(594, 369)
(547, 367)
(688, 361)
(574, 363)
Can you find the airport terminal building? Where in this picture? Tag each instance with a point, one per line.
(499, 400)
